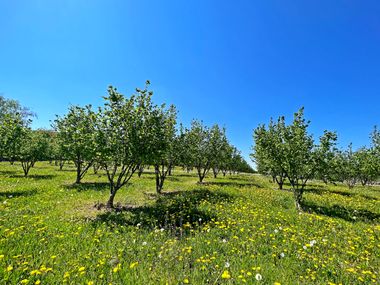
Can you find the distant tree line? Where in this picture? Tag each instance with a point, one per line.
(289, 153)
(122, 137)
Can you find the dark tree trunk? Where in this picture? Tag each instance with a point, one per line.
(215, 172)
(111, 198)
(26, 165)
(78, 178)
(140, 171)
(280, 182)
(298, 198)
(61, 163)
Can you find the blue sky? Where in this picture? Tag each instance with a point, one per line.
(235, 63)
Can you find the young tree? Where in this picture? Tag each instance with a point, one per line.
(163, 155)
(12, 132)
(324, 156)
(124, 136)
(367, 165)
(347, 167)
(269, 152)
(218, 148)
(14, 120)
(76, 131)
(34, 147)
(291, 150)
(202, 144)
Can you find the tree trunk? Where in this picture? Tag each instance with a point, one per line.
(110, 201)
(298, 198)
(280, 182)
(158, 179)
(26, 167)
(111, 197)
(215, 171)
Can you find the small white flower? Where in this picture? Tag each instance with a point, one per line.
(282, 255)
(280, 228)
(224, 240)
(144, 243)
(200, 220)
(139, 224)
(258, 277)
(313, 242)
(162, 229)
(276, 231)
(10, 196)
(304, 247)
(227, 264)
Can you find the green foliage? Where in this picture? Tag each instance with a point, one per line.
(76, 138)
(289, 151)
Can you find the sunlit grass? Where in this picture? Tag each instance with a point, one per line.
(230, 230)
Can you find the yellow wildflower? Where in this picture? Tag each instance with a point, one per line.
(226, 275)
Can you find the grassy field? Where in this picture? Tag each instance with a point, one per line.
(231, 230)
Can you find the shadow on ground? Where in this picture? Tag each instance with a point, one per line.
(337, 211)
(174, 211)
(323, 191)
(233, 184)
(88, 186)
(15, 194)
(34, 176)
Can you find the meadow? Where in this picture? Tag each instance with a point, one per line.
(237, 229)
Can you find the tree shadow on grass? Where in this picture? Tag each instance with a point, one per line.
(87, 186)
(15, 194)
(8, 172)
(177, 212)
(337, 211)
(233, 184)
(34, 176)
(321, 191)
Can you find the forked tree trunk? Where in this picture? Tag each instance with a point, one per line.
(26, 165)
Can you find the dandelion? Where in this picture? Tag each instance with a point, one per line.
(9, 268)
(258, 277)
(81, 269)
(90, 283)
(117, 268)
(24, 281)
(276, 283)
(133, 264)
(226, 275)
(38, 282)
(186, 281)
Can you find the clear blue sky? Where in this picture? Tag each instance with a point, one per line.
(236, 63)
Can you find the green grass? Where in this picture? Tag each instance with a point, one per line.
(234, 227)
